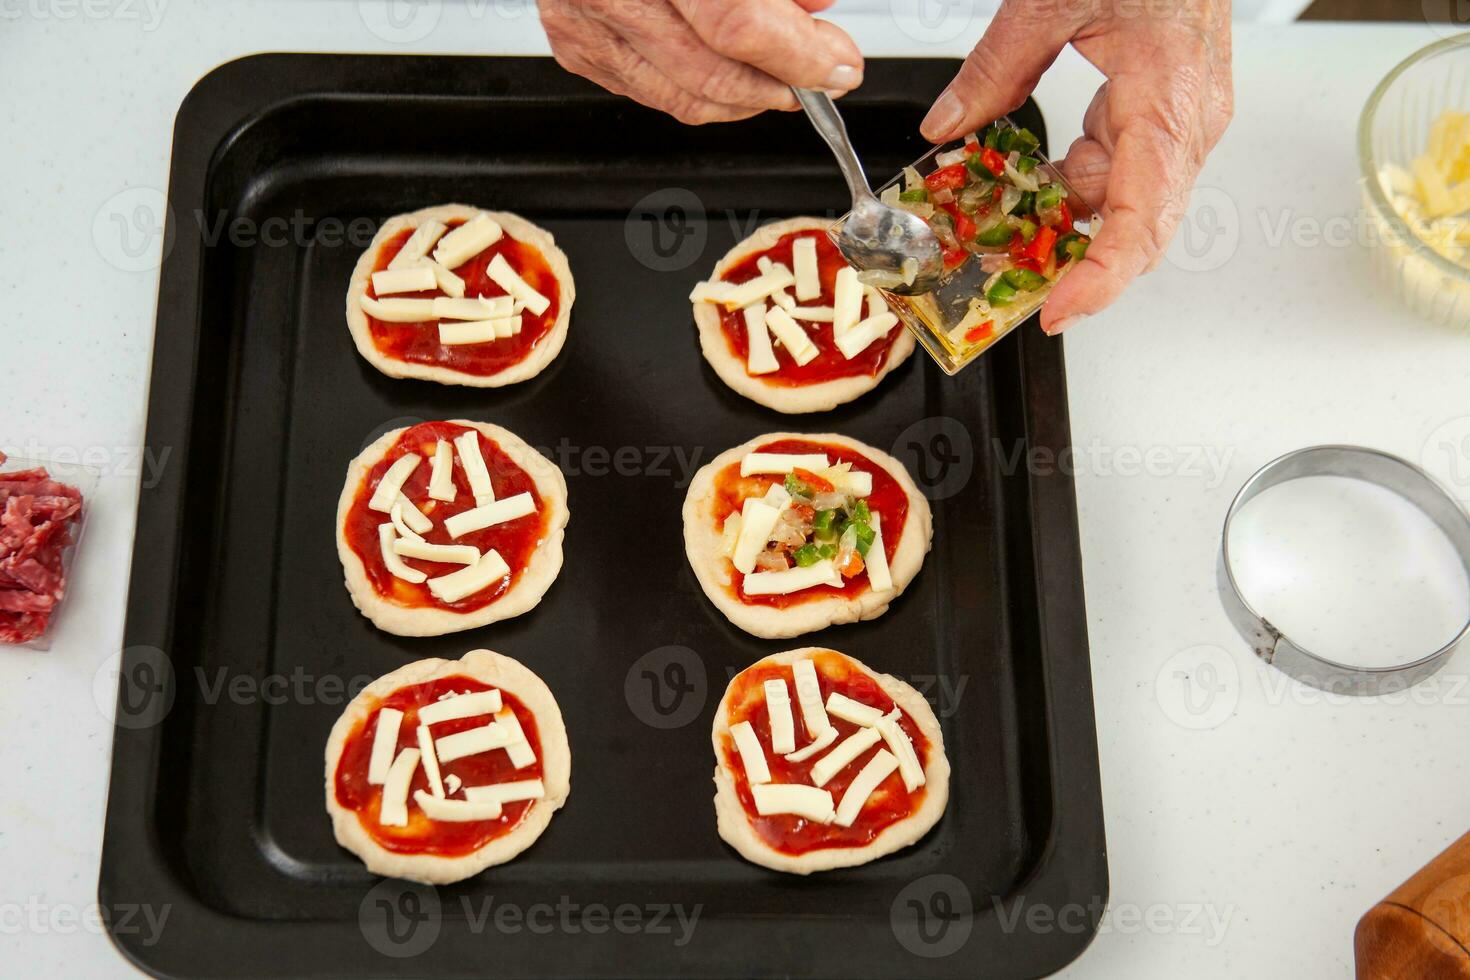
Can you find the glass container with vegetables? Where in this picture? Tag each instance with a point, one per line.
(1010, 227)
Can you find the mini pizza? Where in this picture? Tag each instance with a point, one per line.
(786, 323)
(446, 526)
(793, 533)
(444, 768)
(820, 763)
(461, 296)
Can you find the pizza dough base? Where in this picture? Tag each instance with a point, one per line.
(516, 227)
(734, 825)
(491, 668)
(818, 397)
(524, 593)
(703, 537)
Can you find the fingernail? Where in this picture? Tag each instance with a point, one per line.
(943, 117)
(844, 77)
(1066, 323)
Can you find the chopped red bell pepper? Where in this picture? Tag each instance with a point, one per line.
(946, 178)
(964, 226)
(1066, 222)
(1042, 244)
(971, 148)
(953, 257)
(993, 161)
(979, 333)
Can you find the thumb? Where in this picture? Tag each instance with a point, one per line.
(997, 76)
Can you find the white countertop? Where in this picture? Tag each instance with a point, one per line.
(1246, 848)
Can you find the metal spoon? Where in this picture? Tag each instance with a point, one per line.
(876, 237)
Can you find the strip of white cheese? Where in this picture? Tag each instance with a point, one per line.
(460, 706)
(714, 291)
(756, 463)
(879, 768)
(876, 303)
(903, 749)
(792, 579)
(393, 809)
(778, 710)
(430, 761)
(507, 326)
(760, 357)
(843, 755)
(804, 259)
(509, 280)
(467, 241)
(441, 478)
(387, 537)
(473, 741)
(491, 568)
(472, 308)
(847, 301)
(757, 521)
(807, 802)
(809, 696)
(752, 756)
(468, 447)
(412, 516)
(844, 707)
(763, 285)
(507, 792)
(463, 333)
(451, 784)
(391, 485)
(812, 748)
(497, 512)
(418, 245)
(792, 335)
(783, 299)
(455, 811)
(458, 554)
(815, 314)
(396, 517)
(451, 284)
(397, 310)
(860, 337)
(410, 279)
(385, 743)
(879, 576)
(858, 483)
(518, 748)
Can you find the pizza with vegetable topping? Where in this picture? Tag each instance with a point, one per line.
(446, 526)
(785, 322)
(461, 296)
(792, 533)
(443, 768)
(822, 763)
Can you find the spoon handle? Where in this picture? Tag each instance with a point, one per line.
(822, 111)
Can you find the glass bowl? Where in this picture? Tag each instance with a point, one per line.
(1392, 132)
(944, 321)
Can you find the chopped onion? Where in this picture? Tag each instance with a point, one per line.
(890, 195)
(771, 561)
(911, 179)
(950, 157)
(1027, 182)
(942, 196)
(1009, 198)
(995, 263)
(829, 501)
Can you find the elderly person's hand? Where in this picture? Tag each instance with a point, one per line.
(703, 60)
(1165, 104)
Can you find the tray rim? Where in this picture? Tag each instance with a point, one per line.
(222, 105)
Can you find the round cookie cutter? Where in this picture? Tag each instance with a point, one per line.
(1278, 649)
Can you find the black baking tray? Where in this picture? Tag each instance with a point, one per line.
(240, 636)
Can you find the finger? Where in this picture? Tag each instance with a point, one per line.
(593, 51)
(779, 38)
(667, 42)
(1087, 167)
(997, 76)
(815, 6)
(1153, 167)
